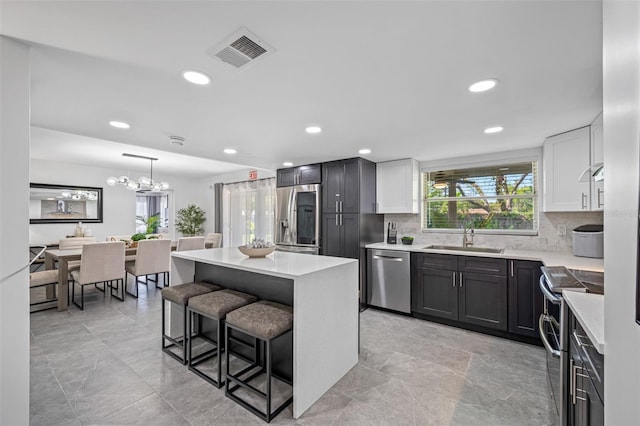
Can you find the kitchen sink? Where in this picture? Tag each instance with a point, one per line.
(460, 248)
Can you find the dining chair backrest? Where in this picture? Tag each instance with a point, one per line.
(213, 240)
(190, 243)
(153, 256)
(75, 242)
(102, 262)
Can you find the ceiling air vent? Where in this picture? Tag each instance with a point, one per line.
(241, 49)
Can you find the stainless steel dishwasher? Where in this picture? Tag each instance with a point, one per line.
(389, 283)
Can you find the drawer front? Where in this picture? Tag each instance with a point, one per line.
(483, 265)
(434, 261)
(592, 359)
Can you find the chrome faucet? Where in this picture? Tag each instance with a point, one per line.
(468, 233)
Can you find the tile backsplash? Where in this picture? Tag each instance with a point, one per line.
(547, 238)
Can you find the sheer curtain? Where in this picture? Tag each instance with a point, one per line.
(248, 210)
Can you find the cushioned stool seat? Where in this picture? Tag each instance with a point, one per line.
(180, 295)
(216, 306)
(265, 321)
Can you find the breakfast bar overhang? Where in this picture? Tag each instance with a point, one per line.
(323, 291)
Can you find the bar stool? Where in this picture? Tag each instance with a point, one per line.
(265, 321)
(180, 295)
(215, 306)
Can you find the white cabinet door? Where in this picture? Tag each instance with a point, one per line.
(597, 157)
(565, 157)
(397, 186)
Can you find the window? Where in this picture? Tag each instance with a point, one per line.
(497, 197)
(152, 205)
(248, 211)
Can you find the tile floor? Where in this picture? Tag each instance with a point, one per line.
(104, 366)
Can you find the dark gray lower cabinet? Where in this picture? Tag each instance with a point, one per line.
(434, 293)
(525, 297)
(586, 379)
(460, 288)
(483, 300)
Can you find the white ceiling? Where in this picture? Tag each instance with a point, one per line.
(391, 76)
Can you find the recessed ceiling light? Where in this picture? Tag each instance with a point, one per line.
(287, 164)
(496, 129)
(483, 86)
(196, 77)
(119, 124)
(364, 151)
(230, 151)
(313, 129)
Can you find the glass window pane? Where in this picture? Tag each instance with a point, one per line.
(491, 197)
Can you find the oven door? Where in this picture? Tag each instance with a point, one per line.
(551, 334)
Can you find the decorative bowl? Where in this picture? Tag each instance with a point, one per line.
(256, 252)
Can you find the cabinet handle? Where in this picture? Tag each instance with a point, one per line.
(460, 279)
(571, 381)
(580, 336)
(511, 268)
(337, 210)
(336, 220)
(340, 206)
(340, 220)
(584, 201)
(600, 203)
(453, 279)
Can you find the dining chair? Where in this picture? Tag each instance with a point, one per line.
(43, 279)
(190, 243)
(152, 257)
(74, 243)
(213, 240)
(100, 263)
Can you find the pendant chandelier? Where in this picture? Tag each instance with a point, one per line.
(143, 183)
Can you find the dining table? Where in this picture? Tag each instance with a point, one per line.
(63, 257)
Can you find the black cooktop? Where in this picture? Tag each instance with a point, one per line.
(560, 278)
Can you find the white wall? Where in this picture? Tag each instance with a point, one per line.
(14, 208)
(621, 50)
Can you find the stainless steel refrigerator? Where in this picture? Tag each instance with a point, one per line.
(298, 219)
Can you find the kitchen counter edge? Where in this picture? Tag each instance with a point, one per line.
(548, 258)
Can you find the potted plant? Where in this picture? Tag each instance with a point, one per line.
(406, 240)
(151, 222)
(190, 219)
(137, 237)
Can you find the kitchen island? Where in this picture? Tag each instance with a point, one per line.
(323, 291)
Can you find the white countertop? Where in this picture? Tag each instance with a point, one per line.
(548, 258)
(589, 311)
(278, 263)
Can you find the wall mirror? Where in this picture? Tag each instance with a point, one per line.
(64, 204)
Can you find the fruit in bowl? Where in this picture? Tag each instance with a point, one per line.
(257, 248)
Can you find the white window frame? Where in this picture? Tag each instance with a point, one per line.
(520, 156)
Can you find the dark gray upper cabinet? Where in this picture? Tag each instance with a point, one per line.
(349, 186)
(301, 175)
(525, 297)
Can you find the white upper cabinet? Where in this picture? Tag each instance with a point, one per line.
(398, 186)
(565, 157)
(597, 157)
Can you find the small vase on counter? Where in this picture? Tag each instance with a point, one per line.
(79, 230)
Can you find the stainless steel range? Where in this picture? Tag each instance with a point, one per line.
(554, 328)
